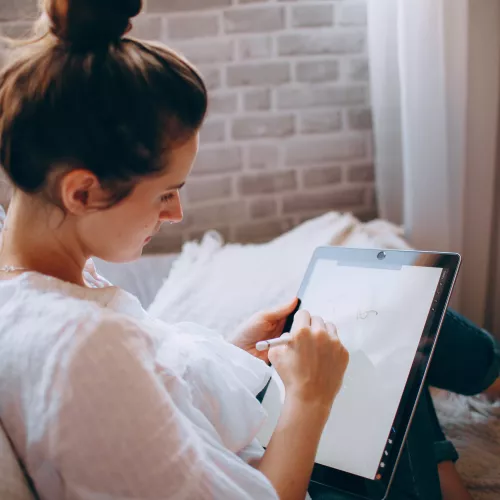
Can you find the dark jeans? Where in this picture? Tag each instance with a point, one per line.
(465, 361)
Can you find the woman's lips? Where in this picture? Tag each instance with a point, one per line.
(149, 238)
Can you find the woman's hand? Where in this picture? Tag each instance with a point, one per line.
(262, 326)
(313, 364)
(312, 367)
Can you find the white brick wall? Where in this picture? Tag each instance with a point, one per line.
(288, 135)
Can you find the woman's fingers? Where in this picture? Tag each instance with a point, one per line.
(313, 368)
(282, 311)
(305, 325)
(317, 325)
(331, 329)
(301, 322)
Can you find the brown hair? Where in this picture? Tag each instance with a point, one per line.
(85, 96)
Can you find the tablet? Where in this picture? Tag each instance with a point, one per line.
(388, 306)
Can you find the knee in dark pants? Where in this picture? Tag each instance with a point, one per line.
(466, 359)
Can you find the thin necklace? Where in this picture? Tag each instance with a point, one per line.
(13, 269)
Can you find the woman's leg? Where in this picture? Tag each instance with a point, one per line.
(452, 485)
(466, 359)
(320, 492)
(426, 447)
(445, 454)
(416, 477)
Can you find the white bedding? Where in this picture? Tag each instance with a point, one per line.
(143, 278)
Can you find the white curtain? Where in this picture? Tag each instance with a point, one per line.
(435, 85)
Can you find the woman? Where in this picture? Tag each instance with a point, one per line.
(98, 133)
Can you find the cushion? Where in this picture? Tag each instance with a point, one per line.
(141, 278)
(13, 485)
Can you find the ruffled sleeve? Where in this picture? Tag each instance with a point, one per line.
(119, 432)
(223, 381)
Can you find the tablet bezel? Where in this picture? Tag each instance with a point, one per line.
(378, 489)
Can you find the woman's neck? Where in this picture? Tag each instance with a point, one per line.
(38, 237)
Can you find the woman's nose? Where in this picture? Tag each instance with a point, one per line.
(174, 215)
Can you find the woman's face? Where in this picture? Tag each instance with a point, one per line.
(120, 233)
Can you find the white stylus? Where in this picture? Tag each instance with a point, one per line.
(264, 345)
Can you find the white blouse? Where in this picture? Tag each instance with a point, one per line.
(103, 402)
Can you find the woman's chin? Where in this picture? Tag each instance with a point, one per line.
(122, 257)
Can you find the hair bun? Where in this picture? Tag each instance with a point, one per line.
(91, 23)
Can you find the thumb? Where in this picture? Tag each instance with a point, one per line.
(282, 311)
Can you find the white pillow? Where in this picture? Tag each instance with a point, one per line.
(219, 285)
(142, 278)
(13, 484)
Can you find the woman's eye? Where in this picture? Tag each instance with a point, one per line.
(167, 197)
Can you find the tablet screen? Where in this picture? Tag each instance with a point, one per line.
(380, 314)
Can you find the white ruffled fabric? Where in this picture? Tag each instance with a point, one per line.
(102, 401)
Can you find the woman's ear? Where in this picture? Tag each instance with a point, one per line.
(81, 192)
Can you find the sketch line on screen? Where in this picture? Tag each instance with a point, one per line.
(365, 314)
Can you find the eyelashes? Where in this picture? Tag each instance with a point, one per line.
(167, 197)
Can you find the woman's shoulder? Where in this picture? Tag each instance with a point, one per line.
(33, 295)
(107, 338)
(45, 335)
(50, 314)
